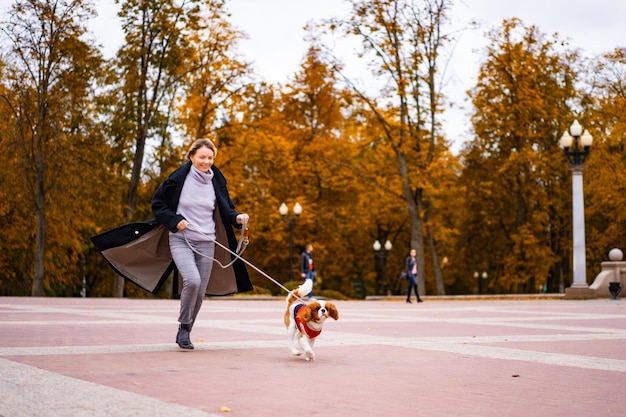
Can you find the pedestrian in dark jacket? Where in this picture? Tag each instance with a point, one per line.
(193, 203)
(411, 271)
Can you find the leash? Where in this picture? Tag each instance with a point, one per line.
(242, 244)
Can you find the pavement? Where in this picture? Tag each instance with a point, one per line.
(74, 357)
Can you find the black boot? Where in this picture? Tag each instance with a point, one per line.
(182, 338)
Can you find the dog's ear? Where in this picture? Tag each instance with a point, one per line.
(308, 312)
(332, 311)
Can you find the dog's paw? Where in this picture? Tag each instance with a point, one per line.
(310, 356)
(295, 352)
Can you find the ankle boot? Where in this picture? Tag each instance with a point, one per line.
(182, 338)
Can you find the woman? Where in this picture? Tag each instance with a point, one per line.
(194, 205)
(411, 271)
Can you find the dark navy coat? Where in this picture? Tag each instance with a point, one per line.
(140, 251)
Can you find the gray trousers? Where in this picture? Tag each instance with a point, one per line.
(195, 271)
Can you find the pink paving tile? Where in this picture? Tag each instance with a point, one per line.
(386, 373)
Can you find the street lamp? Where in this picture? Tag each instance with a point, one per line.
(382, 252)
(291, 222)
(576, 144)
(477, 277)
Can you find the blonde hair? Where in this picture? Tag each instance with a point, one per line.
(201, 143)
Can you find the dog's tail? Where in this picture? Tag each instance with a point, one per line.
(296, 294)
(302, 291)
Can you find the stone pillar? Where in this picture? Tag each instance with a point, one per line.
(579, 288)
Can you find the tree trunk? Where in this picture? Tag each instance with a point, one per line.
(414, 208)
(417, 243)
(435, 259)
(118, 285)
(40, 232)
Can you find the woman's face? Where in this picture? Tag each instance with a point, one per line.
(202, 159)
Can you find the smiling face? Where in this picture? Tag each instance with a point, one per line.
(203, 159)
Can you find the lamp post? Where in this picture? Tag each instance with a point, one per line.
(576, 144)
(480, 277)
(291, 222)
(381, 253)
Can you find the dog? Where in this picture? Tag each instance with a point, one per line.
(304, 321)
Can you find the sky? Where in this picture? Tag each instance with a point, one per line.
(276, 44)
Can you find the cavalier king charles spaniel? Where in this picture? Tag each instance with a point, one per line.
(304, 321)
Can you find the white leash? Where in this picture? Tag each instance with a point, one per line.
(241, 247)
(242, 244)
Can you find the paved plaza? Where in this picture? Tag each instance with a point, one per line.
(71, 357)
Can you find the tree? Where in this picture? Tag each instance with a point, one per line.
(151, 66)
(46, 94)
(288, 144)
(515, 173)
(15, 235)
(314, 110)
(216, 75)
(256, 155)
(405, 40)
(605, 173)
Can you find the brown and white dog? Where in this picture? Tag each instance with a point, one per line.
(304, 321)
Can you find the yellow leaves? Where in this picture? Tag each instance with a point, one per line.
(514, 170)
(355, 163)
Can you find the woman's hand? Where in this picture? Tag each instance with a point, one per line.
(182, 225)
(243, 218)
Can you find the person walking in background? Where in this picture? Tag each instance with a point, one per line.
(194, 205)
(307, 267)
(411, 271)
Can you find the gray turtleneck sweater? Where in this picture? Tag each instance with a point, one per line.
(196, 205)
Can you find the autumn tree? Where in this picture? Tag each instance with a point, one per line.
(287, 142)
(206, 87)
(516, 176)
(255, 154)
(151, 64)
(15, 236)
(315, 144)
(605, 194)
(405, 40)
(208, 94)
(216, 75)
(47, 95)
(314, 109)
(378, 203)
